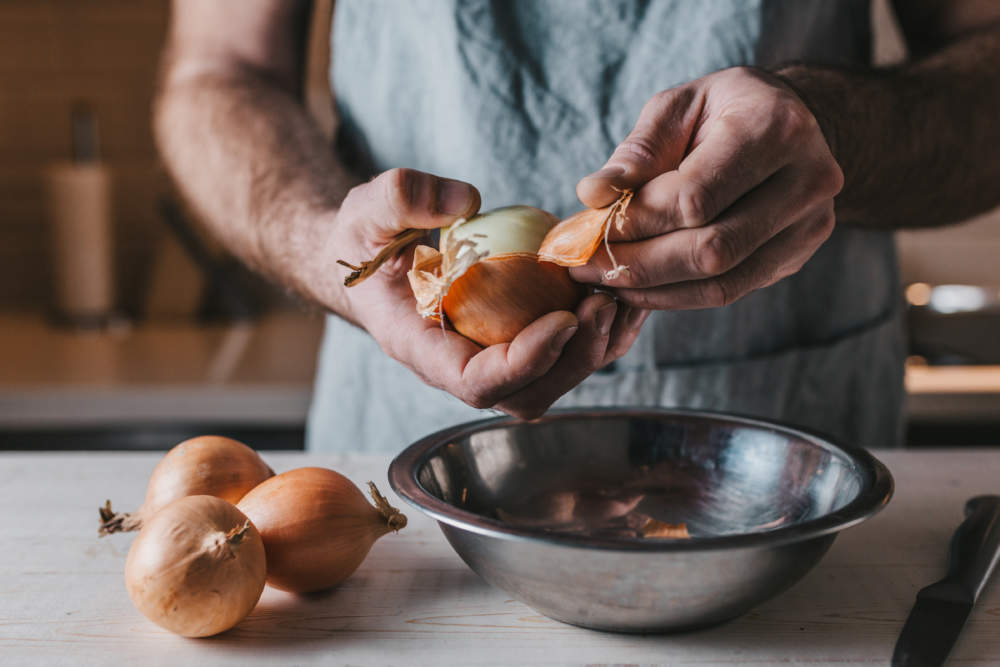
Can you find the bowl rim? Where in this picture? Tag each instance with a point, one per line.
(876, 491)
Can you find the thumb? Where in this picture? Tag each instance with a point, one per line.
(401, 199)
(655, 146)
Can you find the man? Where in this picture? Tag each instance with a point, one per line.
(758, 235)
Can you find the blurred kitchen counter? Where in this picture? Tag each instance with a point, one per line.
(261, 372)
(258, 371)
(953, 393)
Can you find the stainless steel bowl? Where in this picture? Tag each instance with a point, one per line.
(563, 513)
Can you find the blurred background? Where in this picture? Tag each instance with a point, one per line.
(122, 326)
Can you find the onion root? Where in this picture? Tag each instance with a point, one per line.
(116, 522)
(395, 519)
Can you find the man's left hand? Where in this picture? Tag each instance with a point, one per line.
(734, 185)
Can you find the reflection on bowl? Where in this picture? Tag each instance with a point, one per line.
(581, 515)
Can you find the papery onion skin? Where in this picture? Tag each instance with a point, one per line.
(574, 241)
(317, 527)
(205, 465)
(496, 298)
(197, 568)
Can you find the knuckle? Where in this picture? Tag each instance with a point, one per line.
(657, 105)
(741, 71)
(637, 147)
(792, 116)
(833, 177)
(478, 399)
(694, 202)
(716, 252)
(823, 180)
(713, 293)
(660, 100)
(403, 189)
(353, 194)
(529, 413)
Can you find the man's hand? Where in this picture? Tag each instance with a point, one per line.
(523, 377)
(734, 186)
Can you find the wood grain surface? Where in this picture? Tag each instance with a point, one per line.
(413, 602)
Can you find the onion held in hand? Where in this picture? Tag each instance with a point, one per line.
(317, 527)
(207, 465)
(197, 567)
(487, 278)
(500, 270)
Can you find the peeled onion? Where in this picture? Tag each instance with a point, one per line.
(317, 527)
(210, 464)
(197, 568)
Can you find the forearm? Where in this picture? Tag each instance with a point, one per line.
(917, 143)
(257, 171)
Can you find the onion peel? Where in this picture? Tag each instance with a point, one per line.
(575, 240)
(656, 529)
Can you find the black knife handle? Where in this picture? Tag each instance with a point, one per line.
(975, 547)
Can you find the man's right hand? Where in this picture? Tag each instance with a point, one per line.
(524, 377)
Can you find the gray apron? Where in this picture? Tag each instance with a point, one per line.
(524, 97)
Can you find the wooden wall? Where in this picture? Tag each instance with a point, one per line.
(54, 53)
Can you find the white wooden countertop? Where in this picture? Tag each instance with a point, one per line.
(413, 602)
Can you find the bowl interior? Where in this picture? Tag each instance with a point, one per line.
(632, 477)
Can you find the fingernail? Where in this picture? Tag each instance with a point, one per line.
(636, 317)
(562, 337)
(610, 171)
(456, 197)
(605, 317)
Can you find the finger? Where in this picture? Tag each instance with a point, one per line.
(401, 199)
(483, 376)
(655, 145)
(703, 252)
(581, 357)
(779, 258)
(626, 329)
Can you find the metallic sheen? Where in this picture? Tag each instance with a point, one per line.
(937, 617)
(554, 511)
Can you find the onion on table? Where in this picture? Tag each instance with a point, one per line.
(498, 271)
(197, 567)
(206, 465)
(317, 526)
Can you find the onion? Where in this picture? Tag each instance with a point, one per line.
(197, 568)
(317, 527)
(209, 464)
(500, 270)
(487, 278)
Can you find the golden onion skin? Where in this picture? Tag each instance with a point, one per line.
(316, 525)
(496, 298)
(197, 567)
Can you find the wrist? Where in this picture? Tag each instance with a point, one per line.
(811, 85)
